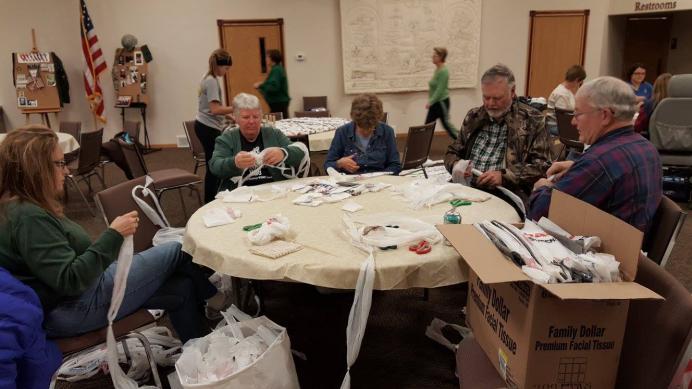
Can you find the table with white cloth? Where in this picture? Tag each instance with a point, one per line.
(66, 141)
(319, 131)
(328, 258)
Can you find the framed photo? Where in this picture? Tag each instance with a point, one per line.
(139, 58)
(21, 101)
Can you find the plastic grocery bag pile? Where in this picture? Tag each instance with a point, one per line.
(242, 352)
(548, 254)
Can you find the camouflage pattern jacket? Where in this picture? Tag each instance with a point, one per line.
(527, 156)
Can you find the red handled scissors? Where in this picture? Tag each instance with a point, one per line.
(423, 247)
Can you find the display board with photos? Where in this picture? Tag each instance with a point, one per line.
(35, 82)
(130, 74)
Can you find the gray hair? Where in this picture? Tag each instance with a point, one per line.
(245, 101)
(499, 71)
(611, 93)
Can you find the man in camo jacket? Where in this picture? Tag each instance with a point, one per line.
(505, 139)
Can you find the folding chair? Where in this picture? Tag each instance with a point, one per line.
(418, 147)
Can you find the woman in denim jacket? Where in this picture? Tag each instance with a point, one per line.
(365, 144)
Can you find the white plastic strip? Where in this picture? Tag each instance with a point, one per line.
(158, 218)
(360, 310)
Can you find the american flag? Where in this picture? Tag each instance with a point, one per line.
(95, 63)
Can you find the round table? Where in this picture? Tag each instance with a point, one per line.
(66, 141)
(328, 259)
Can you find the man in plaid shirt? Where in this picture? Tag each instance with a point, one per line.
(620, 172)
(503, 138)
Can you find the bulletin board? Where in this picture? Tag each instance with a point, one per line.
(130, 77)
(35, 82)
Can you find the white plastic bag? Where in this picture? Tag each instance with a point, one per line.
(426, 193)
(274, 368)
(166, 233)
(276, 227)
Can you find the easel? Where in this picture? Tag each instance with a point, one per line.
(53, 104)
(45, 119)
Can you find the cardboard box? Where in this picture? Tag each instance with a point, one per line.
(551, 335)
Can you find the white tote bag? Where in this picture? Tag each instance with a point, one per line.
(274, 369)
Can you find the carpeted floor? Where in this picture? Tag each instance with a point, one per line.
(395, 352)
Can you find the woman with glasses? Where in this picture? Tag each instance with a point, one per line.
(636, 76)
(73, 276)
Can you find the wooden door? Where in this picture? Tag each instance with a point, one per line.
(557, 40)
(248, 42)
(646, 41)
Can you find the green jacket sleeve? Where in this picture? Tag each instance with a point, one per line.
(222, 163)
(43, 244)
(294, 154)
(440, 90)
(273, 82)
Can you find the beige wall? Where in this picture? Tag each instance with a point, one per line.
(182, 33)
(680, 59)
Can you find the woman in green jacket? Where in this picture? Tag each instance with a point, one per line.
(438, 94)
(275, 87)
(240, 151)
(73, 276)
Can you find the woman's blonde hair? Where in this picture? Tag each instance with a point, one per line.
(219, 57)
(661, 87)
(27, 170)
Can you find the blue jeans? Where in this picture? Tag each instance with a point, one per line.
(162, 277)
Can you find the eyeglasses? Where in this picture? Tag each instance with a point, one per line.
(60, 164)
(577, 114)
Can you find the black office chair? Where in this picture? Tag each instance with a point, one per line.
(568, 134)
(664, 230)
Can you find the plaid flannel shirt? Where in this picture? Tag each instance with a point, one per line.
(620, 174)
(488, 151)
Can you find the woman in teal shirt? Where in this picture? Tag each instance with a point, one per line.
(438, 95)
(275, 87)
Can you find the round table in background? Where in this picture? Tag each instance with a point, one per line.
(328, 258)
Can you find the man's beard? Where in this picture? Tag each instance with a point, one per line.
(497, 113)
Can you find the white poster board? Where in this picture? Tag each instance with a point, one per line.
(387, 44)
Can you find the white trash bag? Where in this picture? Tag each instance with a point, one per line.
(250, 353)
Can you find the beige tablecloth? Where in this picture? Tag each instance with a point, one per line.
(66, 141)
(329, 259)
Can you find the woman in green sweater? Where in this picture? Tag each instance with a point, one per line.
(275, 87)
(72, 276)
(438, 94)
